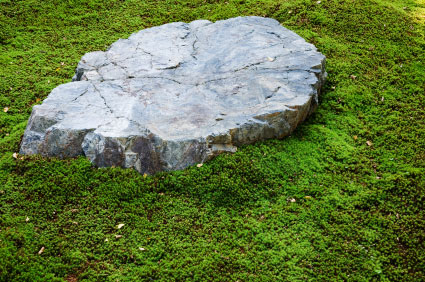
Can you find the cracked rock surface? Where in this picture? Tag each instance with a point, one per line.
(178, 94)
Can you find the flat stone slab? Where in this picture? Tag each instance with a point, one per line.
(179, 94)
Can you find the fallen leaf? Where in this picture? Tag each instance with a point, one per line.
(27, 219)
(5, 109)
(142, 249)
(292, 200)
(307, 197)
(74, 222)
(15, 155)
(106, 240)
(369, 143)
(120, 225)
(199, 165)
(37, 100)
(382, 99)
(41, 251)
(355, 137)
(145, 175)
(353, 77)
(118, 236)
(318, 2)
(270, 59)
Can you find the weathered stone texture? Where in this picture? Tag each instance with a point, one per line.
(178, 94)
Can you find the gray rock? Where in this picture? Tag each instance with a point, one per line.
(179, 94)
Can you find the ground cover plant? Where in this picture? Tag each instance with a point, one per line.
(340, 199)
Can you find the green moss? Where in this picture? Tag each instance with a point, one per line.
(319, 205)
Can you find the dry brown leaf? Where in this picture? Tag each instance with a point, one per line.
(41, 251)
(355, 137)
(353, 77)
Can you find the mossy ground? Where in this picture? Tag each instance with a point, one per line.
(358, 213)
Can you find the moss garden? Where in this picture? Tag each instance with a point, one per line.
(341, 199)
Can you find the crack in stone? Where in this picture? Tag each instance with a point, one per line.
(274, 91)
(275, 34)
(194, 49)
(211, 80)
(171, 67)
(119, 66)
(160, 77)
(248, 66)
(85, 91)
(104, 100)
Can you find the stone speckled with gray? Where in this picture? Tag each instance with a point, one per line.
(178, 94)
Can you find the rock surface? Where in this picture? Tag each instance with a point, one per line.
(178, 94)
